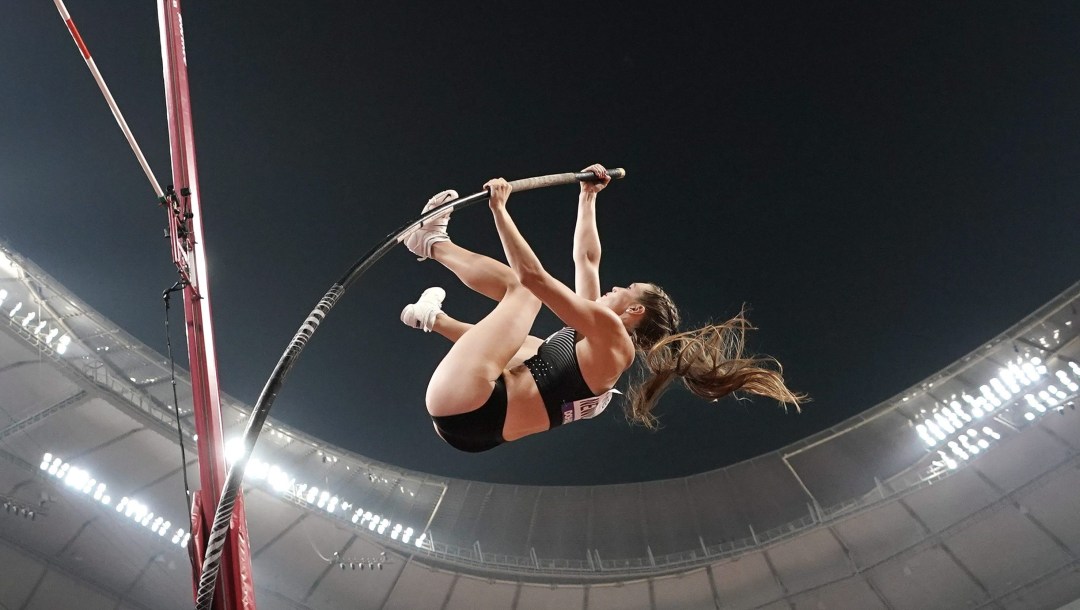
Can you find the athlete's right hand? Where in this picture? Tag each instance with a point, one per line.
(499, 190)
(603, 178)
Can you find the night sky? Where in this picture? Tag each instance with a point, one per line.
(886, 186)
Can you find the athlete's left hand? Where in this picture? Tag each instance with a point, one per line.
(500, 191)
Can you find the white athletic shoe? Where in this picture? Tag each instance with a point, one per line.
(422, 313)
(433, 231)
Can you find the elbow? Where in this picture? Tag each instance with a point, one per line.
(587, 256)
(530, 278)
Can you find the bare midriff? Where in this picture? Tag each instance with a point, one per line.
(525, 412)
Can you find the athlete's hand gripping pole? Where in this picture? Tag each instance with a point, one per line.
(527, 184)
(522, 184)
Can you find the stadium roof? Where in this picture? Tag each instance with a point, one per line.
(959, 492)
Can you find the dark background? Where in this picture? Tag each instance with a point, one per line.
(885, 186)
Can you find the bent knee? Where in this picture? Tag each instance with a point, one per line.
(519, 293)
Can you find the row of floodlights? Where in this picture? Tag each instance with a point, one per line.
(992, 395)
(13, 508)
(967, 445)
(285, 438)
(379, 524)
(371, 476)
(75, 478)
(1039, 402)
(141, 514)
(281, 482)
(1009, 384)
(1056, 335)
(38, 328)
(361, 563)
(82, 481)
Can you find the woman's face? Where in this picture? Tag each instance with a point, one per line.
(619, 298)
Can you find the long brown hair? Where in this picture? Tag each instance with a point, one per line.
(709, 360)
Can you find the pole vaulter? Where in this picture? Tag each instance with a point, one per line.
(219, 536)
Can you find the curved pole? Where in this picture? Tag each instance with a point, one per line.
(218, 532)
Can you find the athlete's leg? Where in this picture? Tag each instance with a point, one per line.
(450, 327)
(453, 329)
(482, 273)
(466, 376)
(427, 314)
(464, 379)
(430, 240)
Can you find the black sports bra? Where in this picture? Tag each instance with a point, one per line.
(558, 377)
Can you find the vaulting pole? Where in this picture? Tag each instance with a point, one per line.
(235, 590)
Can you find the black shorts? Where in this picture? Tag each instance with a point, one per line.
(479, 429)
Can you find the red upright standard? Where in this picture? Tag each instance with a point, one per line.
(235, 589)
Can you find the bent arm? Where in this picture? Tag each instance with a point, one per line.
(584, 315)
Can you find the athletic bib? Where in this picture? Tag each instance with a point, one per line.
(587, 408)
